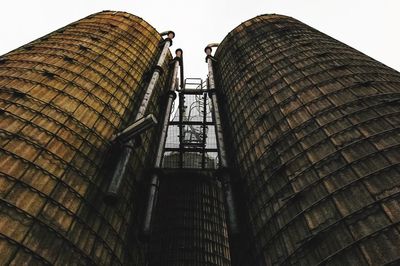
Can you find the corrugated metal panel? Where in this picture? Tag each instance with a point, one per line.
(190, 224)
(314, 131)
(62, 97)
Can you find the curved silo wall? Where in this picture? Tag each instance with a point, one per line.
(190, 224)
(313, 128)
(62, 97)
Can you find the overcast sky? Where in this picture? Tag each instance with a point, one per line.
(369, 26)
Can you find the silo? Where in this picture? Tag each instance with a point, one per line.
(313, 130)
(190, 225)
(62, 99)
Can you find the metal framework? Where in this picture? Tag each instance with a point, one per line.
(191, 141)
(185, 218)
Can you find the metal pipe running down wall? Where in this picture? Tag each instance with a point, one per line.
(127, 149)
(223, 173)
(155, 181)
(181, 109)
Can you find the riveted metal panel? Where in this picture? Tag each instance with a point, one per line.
(314, 134)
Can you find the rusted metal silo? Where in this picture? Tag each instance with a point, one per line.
(62, 98)
(313, 130)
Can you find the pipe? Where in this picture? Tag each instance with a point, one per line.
(127, 150)
(181, 110)
(155, 181)
(210, 45)
(216, 113)
(223, 174)
(203, 157)
(167, 33)
(135, 129)
(170, 101)
(182, 76)
(156, 75)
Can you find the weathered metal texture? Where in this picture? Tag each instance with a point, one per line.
(314, 134)
(62, 97)
(190, 225)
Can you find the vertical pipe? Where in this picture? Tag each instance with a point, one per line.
(127, 150)
(223, 173)
(181, 109)
(181, 129)
(154, 182)
(203, 158)
(156, 74)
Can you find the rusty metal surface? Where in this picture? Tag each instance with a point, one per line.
(62, 97)
(314, 134)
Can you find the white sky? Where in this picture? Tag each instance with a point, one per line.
(367, 25)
